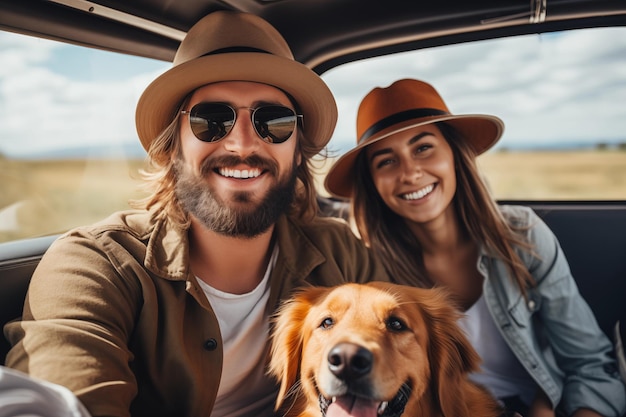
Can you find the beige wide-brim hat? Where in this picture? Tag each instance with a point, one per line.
(403, 105)
(235, 46)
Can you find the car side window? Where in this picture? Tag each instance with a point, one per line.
(560, 96)
(69, 153)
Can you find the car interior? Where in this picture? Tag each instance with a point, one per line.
(324, 35)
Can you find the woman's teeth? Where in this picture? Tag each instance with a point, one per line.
(419, 193)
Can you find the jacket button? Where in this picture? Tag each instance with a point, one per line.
(531, 304)
(210, 344)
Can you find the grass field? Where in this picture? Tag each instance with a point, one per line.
(552, 175)
(42, 197)
(562, 175)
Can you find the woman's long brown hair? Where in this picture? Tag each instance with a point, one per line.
(386, 232)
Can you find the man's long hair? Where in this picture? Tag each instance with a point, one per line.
(386, 232)
(160, 177)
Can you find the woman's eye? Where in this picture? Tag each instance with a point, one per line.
(327, 323)
(423, 148)
(384, 162)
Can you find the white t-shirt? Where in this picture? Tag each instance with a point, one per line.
(501, 371)
(244, 389)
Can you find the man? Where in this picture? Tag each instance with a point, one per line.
(166, 310)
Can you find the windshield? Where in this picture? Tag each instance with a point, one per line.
(69, 153)
(561, 97)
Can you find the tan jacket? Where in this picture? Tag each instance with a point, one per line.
(114, 313)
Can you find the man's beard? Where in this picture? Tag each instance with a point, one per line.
(244, 218)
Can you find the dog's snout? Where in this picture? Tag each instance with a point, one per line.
(348, 361)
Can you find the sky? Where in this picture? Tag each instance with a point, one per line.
(558, 89)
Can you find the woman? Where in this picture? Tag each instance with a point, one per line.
(419, 201)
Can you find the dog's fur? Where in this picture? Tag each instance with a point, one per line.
(366, 344)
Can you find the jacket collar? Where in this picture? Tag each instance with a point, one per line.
(167, 251)
(297, 258)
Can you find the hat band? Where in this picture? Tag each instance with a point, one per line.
(399, 118)
(235, 49)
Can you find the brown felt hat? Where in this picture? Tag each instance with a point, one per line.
(235, 46)
(403, 105)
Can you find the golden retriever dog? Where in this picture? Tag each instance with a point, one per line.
(377, 349)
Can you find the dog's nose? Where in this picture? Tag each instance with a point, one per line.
(348, 361)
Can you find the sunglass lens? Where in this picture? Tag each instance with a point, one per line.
(274, 124)
(210, 122)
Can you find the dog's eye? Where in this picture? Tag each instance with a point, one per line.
(327, 323)
(395, 324)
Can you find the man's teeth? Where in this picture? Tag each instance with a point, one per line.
(419, 193)
(240, 173)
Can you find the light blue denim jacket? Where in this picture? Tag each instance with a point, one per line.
(554, 333)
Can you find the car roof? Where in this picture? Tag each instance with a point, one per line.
(321, 33)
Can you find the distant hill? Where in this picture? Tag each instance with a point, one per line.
(134, 150)
(125, 150)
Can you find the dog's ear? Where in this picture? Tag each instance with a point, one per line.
(450, 353)
(288, 336)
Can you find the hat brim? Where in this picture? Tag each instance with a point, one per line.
(157, 105)
(482, 131)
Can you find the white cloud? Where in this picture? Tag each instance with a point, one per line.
(557, 87)
(44, 110)
(551, 87)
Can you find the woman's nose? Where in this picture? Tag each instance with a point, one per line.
(411, 172)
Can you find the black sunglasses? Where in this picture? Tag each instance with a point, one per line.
(211, 122)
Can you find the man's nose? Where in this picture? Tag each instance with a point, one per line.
(242, 139)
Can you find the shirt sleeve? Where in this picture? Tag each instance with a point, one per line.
(78, 316)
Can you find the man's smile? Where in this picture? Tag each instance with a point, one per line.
(239, 173)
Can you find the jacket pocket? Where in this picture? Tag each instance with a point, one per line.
(522, 310)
